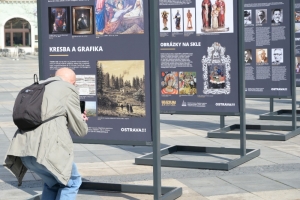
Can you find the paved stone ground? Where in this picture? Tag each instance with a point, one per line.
(275, 174)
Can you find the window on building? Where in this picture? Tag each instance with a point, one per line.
(17, 33)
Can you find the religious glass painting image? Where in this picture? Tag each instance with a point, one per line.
(121, 88)
(187, 83)
(216, 68)
(169, 83)
(217, 77)
(59, 20)
(119, 17)
(82, 17)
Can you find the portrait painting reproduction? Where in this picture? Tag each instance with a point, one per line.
(82, 17)
(59, 20)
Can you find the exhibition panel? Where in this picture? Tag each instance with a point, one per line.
(199, 70)
(111, 47)
(202, 72)
(269, 66)
(107, 44)
(267, 48)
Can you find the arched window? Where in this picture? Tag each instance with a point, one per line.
(17, 33)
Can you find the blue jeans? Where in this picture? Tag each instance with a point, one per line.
(53, 189)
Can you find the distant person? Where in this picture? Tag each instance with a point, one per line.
(48, 149)
(127, 106)
(131, 109)
(191, 82)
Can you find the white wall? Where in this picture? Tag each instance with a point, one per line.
(25, 10)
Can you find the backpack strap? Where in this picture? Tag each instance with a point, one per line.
(35, 79)
(48, 82)
(51, 118)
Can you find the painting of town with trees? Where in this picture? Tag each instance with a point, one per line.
(121, 88)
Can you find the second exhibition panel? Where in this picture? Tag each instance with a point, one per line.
(198, 46)
(267, 48)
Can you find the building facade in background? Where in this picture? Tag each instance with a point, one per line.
(18, 25)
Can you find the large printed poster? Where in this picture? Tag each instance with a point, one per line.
(106, 43)
(198, 56)
(267, 48)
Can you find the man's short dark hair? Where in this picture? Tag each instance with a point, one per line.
(277, 9)
(262, 12)
(247, 13)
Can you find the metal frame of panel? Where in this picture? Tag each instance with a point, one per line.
(279, 115)
(250, 154)
(168, 193)
(223, 132)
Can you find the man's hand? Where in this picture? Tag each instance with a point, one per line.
(84, 117)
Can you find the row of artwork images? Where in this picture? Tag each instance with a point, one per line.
(105, 17)
(262, 56)
(82, 20)
(208, 16)
(261, 16)
(121, 88)
(182, 83)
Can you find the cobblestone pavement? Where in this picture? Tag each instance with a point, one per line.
(275, 174)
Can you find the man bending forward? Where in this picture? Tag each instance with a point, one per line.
(48, 149)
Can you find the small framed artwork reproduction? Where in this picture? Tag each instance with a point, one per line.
(82, 19)
(59, 20)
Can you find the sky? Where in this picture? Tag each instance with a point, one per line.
(128, 68)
